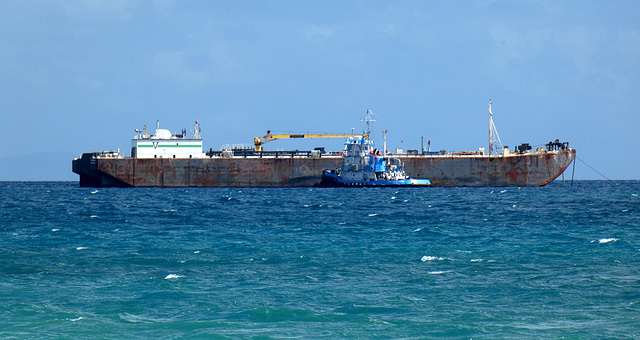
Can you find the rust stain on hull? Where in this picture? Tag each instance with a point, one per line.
(217, 172)
(534, 169)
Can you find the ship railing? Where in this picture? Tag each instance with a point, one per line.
(235, 147)
(252, 153)
(107, 154)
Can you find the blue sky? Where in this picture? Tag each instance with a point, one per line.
(81, 75)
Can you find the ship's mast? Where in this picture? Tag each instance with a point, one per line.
(368, 119)
(384, 146)
(494, 138)
(490, 134)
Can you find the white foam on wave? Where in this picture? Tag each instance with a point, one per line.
(76, 319)
(417, 230)
(82, 248)
(312, 205)
(95, 192)
(55, 230)
(136, 318)
(607, 240)
(433, 258)
(476, 260)
(95, 216)
(439, 272)
(173, 276)
(371, 215)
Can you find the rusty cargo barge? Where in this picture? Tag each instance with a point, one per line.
(171, 160)
(296, 169)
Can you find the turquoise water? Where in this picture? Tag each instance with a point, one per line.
(445, 263)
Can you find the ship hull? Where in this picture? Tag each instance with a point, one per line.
(533, 169)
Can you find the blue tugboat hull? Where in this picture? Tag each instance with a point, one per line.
(331, 179)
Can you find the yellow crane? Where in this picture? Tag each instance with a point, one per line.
(258, 141)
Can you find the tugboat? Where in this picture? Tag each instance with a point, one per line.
(364, 166)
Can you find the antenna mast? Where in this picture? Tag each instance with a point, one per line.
(368, 119)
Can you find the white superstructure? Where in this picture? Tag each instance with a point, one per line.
(164, 144)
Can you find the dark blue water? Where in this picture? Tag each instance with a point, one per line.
(483, 263)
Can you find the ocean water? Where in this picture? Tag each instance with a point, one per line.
(435, 263)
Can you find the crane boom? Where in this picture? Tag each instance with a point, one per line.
(259, 141)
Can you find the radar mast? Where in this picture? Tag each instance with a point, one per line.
(368, 120)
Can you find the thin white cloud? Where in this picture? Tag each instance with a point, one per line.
(579, 44)
(322, 31)
(89, 83)
(99, 10)
(214, 65)
(512, 46)
(599, 56)
(175, 64)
